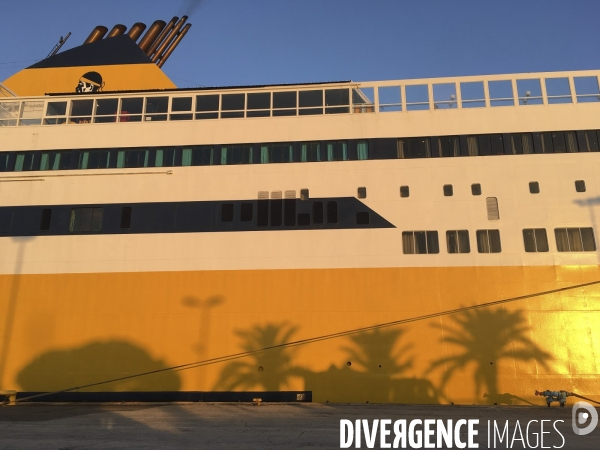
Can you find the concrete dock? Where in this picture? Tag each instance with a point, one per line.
(264, 426)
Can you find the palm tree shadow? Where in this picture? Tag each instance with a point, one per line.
(270, 369)
(486, 337)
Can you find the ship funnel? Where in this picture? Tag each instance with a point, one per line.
(151, 34)
(163, 59)
(136, 31)
(117, 30)
(168, 39)
(96, 34)
(161, 36)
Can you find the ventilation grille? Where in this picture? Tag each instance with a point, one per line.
(491, 204)
(276, 194)
(290, 194)
(263, 195)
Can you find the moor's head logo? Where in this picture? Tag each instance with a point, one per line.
(90, 82)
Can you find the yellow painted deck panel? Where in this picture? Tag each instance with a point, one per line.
(62, 330)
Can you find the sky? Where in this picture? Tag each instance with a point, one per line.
(248, 42)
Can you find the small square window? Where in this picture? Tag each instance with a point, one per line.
(303, 194)
(534, 187)
(362, 192)
(448, 191)
(404, 191)
(476, 189)
(580, 186)
(362, 218)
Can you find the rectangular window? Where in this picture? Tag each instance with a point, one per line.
(488, 241)
(126, 218)
(458, 241)
(336, 151)
(259, 104)
(276, 212)
(45, 219)
(289, 212)
(580, 186)
(318, 213)
(232, 105)
(85, 220)
(304, 194)
(362, 150)
(106, 110)
(535, 240)
(491, 204)
(448, 190)
(337, 101)
(404, 191)
(449, 146)
(332, 212)
(476, 189)
(131, 110)
(420, 242)
(156, 108)
(285, 103)
(311, 102)
(262, 213)
(362, 192)
(362, 218)
(534, 187)
(501, 93)
(207, 106)
(575, 239)
(202, 156)
(227, 212)
(246, 212)
(415, 148)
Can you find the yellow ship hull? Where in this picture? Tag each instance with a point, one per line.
(66, 330)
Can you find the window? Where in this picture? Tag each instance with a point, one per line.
(284, 103)
(24, 162)
(337, 101)
(362, 218)
(304, 219)
(332, 212)
(448, 190)
(522, 143)
(589, 142)
(227, 212)
(181, 108)
(131, 109)
(262, 213)
(414, 148)
(207, 106)
(488, 241)
(246, 212)
(85, 220)
(580, 186)
(311, 102)
(491, 204)
(289, 212)
(45, 219)
(106, 110)
(476, 189)
(259, 105)
(362, 150)
(304, 194)
(232, 105)
(534, 187)
(404, 191)
(31, 113)
(310, 151)
(362, 192)
(575, 239)
(535, 240)
(126, 217)
(449, 146)
(586, 89)
(420, 242)
(156, 108)
(318, 212)
(336, 151)
(458, 241)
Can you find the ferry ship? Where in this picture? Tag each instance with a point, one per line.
(407, 241)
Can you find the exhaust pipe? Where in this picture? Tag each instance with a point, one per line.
(161, 36)
(163, 59)
(117, 30)
(170, 37)
(151, 34)
(136, 31)
(96, 34)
